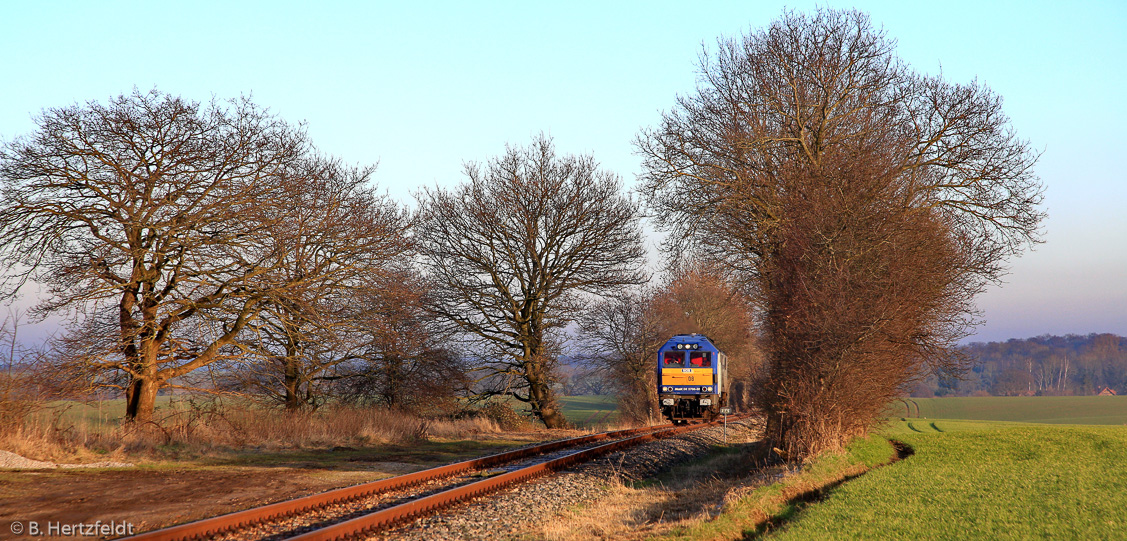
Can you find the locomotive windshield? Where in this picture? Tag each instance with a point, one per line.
(674, 359)
(700, 358)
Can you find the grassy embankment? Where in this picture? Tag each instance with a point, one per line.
(967, 479)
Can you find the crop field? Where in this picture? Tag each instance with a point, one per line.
(982, 480)
(589, 411)
(1086, 410)
(1038, 467)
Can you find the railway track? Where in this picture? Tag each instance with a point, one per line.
(353, 511)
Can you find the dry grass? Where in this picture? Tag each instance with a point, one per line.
(686, 496)
(721, 497)
(189, 429)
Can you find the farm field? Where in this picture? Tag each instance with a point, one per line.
(1086, 410)
(589, 411)
(1038, 473)
(982, 480)
(99, 412)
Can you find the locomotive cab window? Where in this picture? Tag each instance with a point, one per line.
(674, 359)
(700, 358)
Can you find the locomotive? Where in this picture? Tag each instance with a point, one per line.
(691, 378)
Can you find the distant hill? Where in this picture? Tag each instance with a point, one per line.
(1044, 365)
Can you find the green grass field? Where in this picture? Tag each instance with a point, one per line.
(1085, 410)
(588, 411)
(1035, 467)
(982, 480)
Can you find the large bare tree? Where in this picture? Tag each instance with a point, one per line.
(340, 242)
(813, 128)
(511, 251)
(148, 213)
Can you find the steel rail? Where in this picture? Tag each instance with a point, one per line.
(390, 516)
(204, 528)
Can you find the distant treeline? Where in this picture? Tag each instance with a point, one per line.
(1045, 365)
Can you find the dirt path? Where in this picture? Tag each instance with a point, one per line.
(152, 498)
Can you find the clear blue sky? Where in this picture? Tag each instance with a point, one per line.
(423, 87)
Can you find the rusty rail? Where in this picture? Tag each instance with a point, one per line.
(390, 516)
(204, 528)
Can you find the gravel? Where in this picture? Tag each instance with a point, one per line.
(299, 523)
(514, 512)
(12, 461)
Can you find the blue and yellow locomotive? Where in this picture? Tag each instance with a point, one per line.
(691, 378)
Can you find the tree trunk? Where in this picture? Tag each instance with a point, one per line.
(776, 431)
(543, 400)
(292, 383)
(141, 397)
(536, 372)
(544, 404)
(552, 416)
(393, 387)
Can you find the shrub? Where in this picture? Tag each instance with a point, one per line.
(505, 416)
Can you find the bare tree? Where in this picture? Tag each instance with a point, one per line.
(511, 251)
(406, 361)
(819, 107)
(339, 242)
(865, 295)
(621, 336)
(146, 214)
